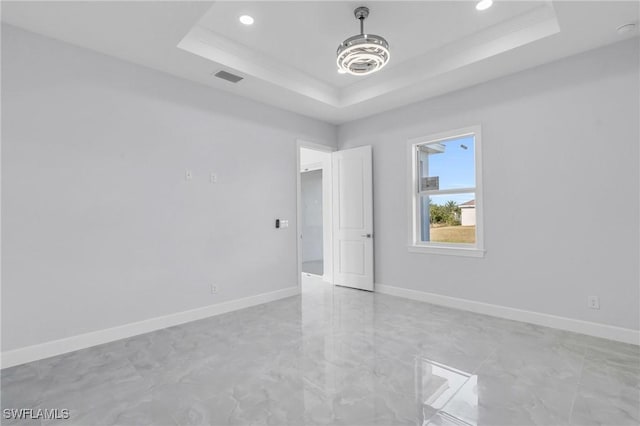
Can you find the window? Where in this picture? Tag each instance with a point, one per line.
(446, 193)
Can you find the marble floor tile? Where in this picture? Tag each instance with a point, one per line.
(22, 385)
(609, 387)
(338, 356)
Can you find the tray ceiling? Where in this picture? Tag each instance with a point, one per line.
(287, 58)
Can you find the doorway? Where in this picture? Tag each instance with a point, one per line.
(314, 211)
(335, 228)
(312, 239)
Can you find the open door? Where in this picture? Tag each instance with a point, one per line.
(353, 218)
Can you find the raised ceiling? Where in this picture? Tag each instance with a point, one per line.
(287, 58)
(309, 35)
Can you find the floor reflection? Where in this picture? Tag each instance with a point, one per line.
(375, 359)
(337, 356)
(445, 395)
(356, 374)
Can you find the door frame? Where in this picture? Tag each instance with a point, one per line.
(327, 174)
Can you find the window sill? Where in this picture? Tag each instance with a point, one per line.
(448, 251)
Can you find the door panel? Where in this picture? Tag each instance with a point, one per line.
(353, 218)
(352, 254)
(351, 195)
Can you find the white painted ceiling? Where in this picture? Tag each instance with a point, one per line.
(309, 34)
(288, 56)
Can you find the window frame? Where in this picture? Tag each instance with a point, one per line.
(413, 196)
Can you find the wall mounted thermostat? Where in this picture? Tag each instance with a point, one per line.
(282, 223)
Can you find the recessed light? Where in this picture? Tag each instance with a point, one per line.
(626, 28)
(484, 4)
(246, 19)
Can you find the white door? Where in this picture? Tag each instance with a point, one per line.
(353, 218)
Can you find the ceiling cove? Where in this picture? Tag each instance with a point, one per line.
(298, 54)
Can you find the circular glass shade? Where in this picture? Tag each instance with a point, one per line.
(363, 54)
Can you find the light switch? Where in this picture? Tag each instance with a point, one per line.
(188, 175)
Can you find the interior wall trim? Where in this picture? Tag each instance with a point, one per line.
(610, 332)
(82, 341)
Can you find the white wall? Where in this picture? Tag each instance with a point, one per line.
(312, 205)
(468, 216)
(100, 227)
(312, 159)
(553, 136)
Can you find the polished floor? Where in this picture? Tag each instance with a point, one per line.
(339, 356)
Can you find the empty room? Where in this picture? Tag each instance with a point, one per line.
(320, 213)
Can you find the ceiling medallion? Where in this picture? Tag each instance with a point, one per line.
(362, 54)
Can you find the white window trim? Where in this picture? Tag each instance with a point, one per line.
(416, 246)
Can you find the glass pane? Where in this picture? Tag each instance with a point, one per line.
(448, 218)
(447, 165)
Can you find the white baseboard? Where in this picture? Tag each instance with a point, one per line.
(610, 332)
(86, 340)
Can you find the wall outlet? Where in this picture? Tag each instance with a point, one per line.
(593, 302)
(214, 289)
(213, 178)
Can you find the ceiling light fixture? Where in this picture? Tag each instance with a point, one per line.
(362, 54)
(484, 4)
(246, 20)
